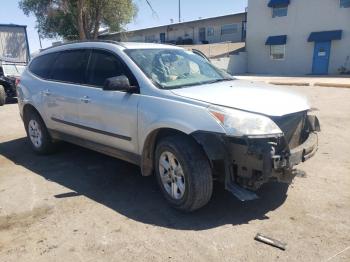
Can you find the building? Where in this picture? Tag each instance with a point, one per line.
(298, 36)
(210, 30)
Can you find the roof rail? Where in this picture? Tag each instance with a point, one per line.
(85, 41)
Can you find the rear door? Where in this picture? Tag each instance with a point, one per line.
(62, 94)
(108, 117)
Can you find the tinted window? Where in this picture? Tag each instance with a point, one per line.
(41, 66)
(70, 66)
(104, 65)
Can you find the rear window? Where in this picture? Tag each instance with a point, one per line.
(70, 66)
(41, 66)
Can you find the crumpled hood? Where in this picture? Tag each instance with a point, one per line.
(254, 97)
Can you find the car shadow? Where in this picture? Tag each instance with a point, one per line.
(120, 186)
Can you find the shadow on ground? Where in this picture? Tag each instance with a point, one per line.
(119, 186)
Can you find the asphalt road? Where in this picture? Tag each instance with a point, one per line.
(78, 205)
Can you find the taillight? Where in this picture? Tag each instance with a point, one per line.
(17, 81)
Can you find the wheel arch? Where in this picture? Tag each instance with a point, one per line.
(147, 156)
(27, 108)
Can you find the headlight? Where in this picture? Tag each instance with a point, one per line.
(239, 123)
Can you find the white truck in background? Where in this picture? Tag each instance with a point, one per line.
(14, 56)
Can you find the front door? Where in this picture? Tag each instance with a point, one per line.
(108, 117)
(202, 34)
(321, 58)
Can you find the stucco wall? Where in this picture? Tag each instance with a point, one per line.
(237, 64)
(303, 18)
(234, 64)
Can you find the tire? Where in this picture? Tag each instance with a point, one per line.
(191, 185)
(37, 134)
(2, 96)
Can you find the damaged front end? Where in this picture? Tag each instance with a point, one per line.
(244, 164)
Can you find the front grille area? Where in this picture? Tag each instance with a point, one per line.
(293, 127)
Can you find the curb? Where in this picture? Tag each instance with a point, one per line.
(332, 85)
(335, 85)
(290, 83)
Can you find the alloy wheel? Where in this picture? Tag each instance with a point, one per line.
(172, 175)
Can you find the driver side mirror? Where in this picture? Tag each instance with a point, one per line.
(119, 83)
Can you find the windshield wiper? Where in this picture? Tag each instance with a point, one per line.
(218, 80)
(197, 83)
(181, 86)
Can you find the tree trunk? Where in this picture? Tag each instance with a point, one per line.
(97, 23)
(82, 35)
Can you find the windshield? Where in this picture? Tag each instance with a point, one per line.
(176, 68)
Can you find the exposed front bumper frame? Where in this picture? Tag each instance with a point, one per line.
(273, 165)
(299, 154)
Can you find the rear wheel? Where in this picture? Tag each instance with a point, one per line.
(2, 96)
(38, 136)
(183, 173)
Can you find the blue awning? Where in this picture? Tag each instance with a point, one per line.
(276, 40)
(325, 36)
(278, 3)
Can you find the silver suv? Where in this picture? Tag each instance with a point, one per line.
(171, 112)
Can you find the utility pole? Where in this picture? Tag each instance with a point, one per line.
(41, 47)
(179, 11)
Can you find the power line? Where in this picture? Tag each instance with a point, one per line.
(179, 11)
(154, 13)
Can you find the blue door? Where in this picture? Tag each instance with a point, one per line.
(162, 37)
(321, 58)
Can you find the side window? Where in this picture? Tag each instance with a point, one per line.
(279, 11)
(229, 29)
(41, 65)
(104, 65)
(277, 52)
(70, 66)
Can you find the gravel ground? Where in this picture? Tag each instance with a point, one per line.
(78, 205)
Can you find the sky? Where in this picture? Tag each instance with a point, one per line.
(164, 11)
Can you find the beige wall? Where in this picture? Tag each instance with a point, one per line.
(217, 50)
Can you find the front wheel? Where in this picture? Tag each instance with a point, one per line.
(183, 173)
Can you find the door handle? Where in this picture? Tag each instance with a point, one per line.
(46, 92)
(85, 99)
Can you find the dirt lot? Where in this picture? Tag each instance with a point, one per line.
(78, 205)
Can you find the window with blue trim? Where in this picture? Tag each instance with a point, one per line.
(279, 11)
(345, 3)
